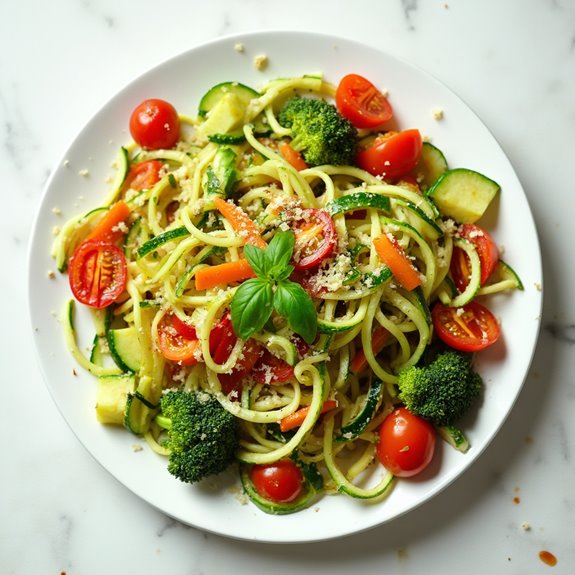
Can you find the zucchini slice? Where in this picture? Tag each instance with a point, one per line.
(463, 195)
(112, 397)
(356, 426)
(454, 436)
(432, 164)
(154, 243)
(125, 348)
(272, 507)
(359, 200)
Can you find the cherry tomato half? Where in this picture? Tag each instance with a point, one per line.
(250, 354)
(173, 345)
(392, 155)
(143, 176)
(154, 124)
(315, 238)
(486, 250)
(361, 102)
(98, 273)
(406, 443)
(280, 482)
(469, 328)
(271, 369)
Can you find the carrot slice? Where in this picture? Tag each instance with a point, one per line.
(392, 254)
(296, 418)
(241, 222)
(108, 226)
(225, 273)
(378, 339)
(292, 157)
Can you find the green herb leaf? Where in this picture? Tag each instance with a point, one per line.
(258, 260)
(251, 306)
(278, 254)
(295, 304)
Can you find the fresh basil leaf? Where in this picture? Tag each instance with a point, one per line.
(257, 259)
(294, 303)
(251, 306)
(278, 255)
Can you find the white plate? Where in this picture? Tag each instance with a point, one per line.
(182, 80)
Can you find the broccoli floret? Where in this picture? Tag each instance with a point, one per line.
(319, 131)
(202, 435)
(441, 391)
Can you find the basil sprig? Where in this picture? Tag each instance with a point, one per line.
(255, 299)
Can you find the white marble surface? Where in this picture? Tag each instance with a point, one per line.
(513, 62)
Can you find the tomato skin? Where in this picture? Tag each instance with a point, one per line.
(271, 369)
(154, 124)
(392, 155)
(251, 352)
(486, 250)
(361, 102)
(406, 443)
(143, 176)
(315, 238)
(185, 329)
(98, 273)
(469, 328)
(173, 345)
(280, 482)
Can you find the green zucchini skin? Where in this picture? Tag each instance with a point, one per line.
(154, 243)
(357, 426)
(359, 200)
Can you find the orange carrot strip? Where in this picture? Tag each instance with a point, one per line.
(107, 227)
(296, 418)
(292, 157)
(241, 222)
(225, 273)
(378, 339)
(391, 254)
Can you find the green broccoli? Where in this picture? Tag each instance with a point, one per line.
(319, 131)
(442, 390)
(202, 435)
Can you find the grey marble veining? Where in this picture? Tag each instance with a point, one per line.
(513, 62)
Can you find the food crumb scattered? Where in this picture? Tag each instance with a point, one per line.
(51, 274)
(137, 447)
(55, 230)
(239, 47)
(57, 211)
(84, 173)
(525, 526)
(66, 163)
(261, 61)
(437, 114)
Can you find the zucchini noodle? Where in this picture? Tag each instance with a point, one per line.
(173, 232)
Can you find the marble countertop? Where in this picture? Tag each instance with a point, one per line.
(513, 62)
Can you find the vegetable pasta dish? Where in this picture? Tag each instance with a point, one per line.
(288, 283)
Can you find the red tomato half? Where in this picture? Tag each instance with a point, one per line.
(406, 443)
(184, 328)
(392, 155)
(361, 102)
(315, 238)
(154, 124)
(98, 273)
(249, 356)
(143, 176)
(280, 482)
(173, 345)
(486, 250)
(272, 369)
(469, 328)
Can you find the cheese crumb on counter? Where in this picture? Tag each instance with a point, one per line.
(84, 173)
(239, 47)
